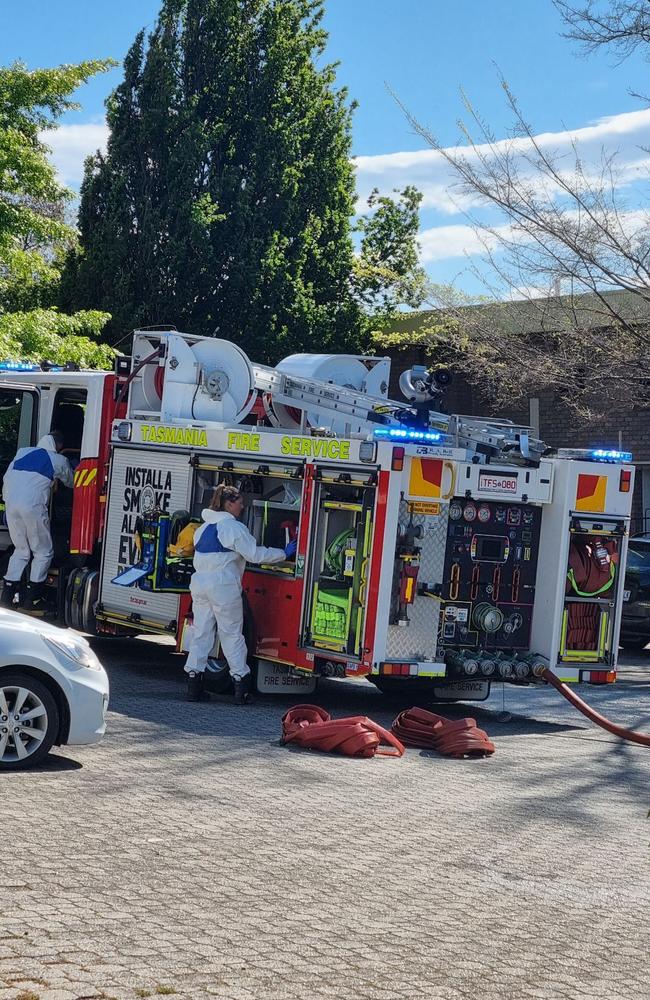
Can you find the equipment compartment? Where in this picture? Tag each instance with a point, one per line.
(339, 564)
(489, 576)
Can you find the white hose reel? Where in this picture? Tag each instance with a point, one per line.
(208, 380)
(368, 376)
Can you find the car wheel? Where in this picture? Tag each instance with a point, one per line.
(634, 643)
(29, 721)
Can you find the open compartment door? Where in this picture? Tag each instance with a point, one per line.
(588, 624)
(341, 539)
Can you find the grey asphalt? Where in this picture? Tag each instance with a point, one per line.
(193, 855)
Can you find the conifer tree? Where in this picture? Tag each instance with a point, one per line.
(224, 200)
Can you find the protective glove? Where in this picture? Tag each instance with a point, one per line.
(290, 549)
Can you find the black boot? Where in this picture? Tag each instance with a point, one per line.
(195, 690)
(243, 694)
(9, 591)
(35, 600)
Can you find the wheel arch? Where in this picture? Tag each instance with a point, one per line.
(55, 690)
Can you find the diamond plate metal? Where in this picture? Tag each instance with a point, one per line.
(418, 640)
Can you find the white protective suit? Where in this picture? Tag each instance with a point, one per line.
(26, 492)
(222, 547)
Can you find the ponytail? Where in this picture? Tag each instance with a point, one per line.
(223, 495)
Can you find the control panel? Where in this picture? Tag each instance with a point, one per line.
(488, 587)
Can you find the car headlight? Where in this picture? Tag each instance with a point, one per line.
(73, 648)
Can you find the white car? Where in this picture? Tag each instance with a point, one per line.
(53, 690)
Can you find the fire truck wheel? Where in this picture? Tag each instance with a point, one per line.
(27, 735)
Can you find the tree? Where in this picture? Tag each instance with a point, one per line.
(33, 233)
(623, 24)
(562, 231)
(387, 271)
(223, 202)
(46, 334)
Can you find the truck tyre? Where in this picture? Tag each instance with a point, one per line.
(80, 599)
(26, 740)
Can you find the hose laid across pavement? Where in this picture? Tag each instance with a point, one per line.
(623, 734)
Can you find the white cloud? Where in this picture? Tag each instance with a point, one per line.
(70, 145)
(622, 135)
(445, 242)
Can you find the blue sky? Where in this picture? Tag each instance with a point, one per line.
(425, 50)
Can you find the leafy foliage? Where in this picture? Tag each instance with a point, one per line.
(33, 232)
(223, 203)
(388, 275)
(45, 334)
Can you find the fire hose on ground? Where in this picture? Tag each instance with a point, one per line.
(623, 734)
(310, 727)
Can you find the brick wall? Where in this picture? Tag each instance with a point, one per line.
(558, 426)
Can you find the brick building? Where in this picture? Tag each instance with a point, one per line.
(624, 429)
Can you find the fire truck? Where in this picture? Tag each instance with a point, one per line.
(436, 551)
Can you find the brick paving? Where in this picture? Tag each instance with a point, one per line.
(193, 856)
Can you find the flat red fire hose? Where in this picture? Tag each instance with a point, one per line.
(623, 734)
(311, 727)
(454, 738)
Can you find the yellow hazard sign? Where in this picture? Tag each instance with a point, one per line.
(420, 507)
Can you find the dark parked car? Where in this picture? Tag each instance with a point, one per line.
(635, 624)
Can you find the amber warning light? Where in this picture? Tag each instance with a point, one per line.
(625, 481)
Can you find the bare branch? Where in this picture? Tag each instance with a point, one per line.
(621, 24)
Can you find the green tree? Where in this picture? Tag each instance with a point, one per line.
(387, 271)
(224, 201)
(46, 334)
(33, 233)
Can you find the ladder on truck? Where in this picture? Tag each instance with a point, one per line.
(375, 415)
(485, 435)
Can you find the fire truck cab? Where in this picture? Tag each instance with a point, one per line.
(81, 404)
(432, 550)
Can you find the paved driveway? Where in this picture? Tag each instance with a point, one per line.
(191, 854)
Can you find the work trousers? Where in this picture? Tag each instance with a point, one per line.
(226, 620)
(29, 531)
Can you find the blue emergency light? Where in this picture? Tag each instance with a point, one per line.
(610, 455)
(19, 366)
(402, 434)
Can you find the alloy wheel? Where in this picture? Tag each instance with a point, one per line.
(23, 723)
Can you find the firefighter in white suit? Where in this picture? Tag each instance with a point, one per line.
(26, 493)
(222, 547)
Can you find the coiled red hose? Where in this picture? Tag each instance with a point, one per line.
(454, 738)
(643, 739)
(310, 727)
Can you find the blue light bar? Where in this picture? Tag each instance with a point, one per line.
(403, 434)
(19, 366)
(609, 455)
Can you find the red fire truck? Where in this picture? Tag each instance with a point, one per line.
(432, 550)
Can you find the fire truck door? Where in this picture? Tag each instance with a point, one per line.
(18, 429)
(591, 591)
(339, 563)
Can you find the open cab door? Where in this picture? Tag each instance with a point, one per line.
(19, 405)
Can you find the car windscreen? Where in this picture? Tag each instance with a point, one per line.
(638, 556)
